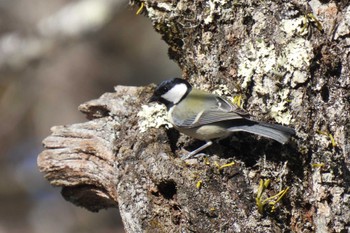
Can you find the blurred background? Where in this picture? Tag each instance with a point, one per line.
(55, 55)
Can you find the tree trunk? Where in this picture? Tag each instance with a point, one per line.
(289, 61)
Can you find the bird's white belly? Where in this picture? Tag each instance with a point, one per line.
(205, 132)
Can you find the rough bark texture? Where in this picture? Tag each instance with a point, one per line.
(290, 60)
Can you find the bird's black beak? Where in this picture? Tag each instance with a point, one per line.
(153, 99)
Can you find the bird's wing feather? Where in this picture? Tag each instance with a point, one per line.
(218, 110)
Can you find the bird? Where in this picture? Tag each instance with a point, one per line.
(207, 117)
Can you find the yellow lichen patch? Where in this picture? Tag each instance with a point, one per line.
(140, 9)
(271, 201)
(237, 100)
(310, 18)
(206, 161)
(334, 144)
(317, 165)
(199, 184)
(330, 136)
(226, 165)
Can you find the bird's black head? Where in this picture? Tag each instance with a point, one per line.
(171, 92)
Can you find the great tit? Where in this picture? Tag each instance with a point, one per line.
(206, 116)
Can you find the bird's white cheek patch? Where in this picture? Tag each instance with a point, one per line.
(175, 94)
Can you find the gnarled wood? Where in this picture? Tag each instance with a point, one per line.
(287, 69)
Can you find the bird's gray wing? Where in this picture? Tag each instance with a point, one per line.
(218, 110)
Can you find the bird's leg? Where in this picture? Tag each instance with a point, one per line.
(209, 143)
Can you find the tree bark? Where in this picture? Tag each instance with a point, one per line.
(289, 60)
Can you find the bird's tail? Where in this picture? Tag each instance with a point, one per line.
(276, 132)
